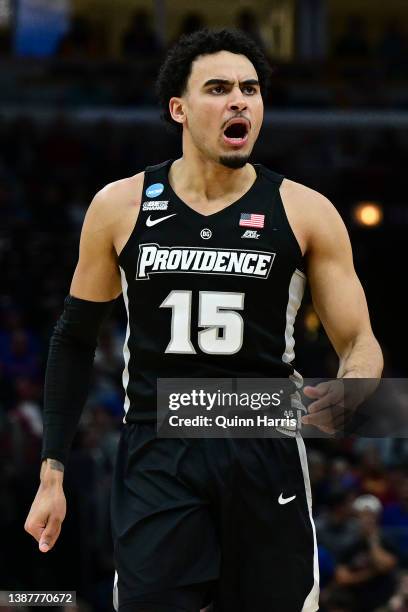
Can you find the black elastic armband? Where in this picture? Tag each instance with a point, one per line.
(68, 374)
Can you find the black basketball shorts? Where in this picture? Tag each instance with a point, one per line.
(232, 515)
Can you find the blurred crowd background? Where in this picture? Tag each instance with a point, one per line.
(77, 111)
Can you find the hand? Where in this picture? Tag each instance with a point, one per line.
(46, 515)
(327, 412)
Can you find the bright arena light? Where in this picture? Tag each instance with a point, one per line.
(369, 214)
(312, 322)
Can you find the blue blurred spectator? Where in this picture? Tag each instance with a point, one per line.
(336, 529)
(342, 475)
(20, 356)
(371, 453)
(318, 471)
(327, 566)
(367, 568)
(395, 522)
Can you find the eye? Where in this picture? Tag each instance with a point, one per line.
(217, 87)
(251, 89)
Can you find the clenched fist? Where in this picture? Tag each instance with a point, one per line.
(49, 506)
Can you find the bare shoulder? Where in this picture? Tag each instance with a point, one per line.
(117, 199)
(310, 213)
(113, 211)
(309, 201)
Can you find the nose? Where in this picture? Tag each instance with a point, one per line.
(237, 101)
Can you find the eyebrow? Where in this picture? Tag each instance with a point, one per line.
(227, 82)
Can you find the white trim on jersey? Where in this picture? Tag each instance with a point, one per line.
(295, 294)
(115, 595)
(126, 351)
(296, 291)
(311, 603)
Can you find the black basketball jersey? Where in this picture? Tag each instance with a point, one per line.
(208, 295)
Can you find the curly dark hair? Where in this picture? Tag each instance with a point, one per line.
(176, 69)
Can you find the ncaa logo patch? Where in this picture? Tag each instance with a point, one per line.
(206, 233)
(155, 190)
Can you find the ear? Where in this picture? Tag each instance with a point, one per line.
(176, 108)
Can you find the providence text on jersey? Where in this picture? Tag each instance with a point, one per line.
(154, 258)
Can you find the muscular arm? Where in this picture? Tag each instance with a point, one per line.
(339, 301)
(96, 277)
(337, 294)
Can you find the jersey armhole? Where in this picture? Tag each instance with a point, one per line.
(285, 220)
(148, 171)
(280, 212)
(135, 226)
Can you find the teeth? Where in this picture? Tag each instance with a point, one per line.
(235, 139)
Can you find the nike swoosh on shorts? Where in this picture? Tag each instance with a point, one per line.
(285, 500)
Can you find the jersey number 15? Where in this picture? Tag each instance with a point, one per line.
(216, 311)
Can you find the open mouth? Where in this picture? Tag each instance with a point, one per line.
(236, 133)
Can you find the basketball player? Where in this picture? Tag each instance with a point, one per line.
(221, 520)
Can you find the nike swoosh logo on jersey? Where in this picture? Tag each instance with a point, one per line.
(285, 500)
(150, 222)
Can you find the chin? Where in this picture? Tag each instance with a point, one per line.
(234, 161)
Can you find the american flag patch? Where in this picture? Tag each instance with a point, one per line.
(251, 220)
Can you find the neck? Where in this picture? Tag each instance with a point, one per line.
(205, 180)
